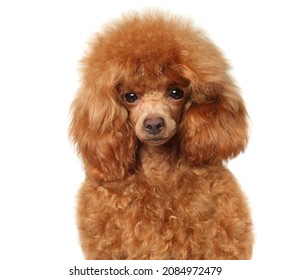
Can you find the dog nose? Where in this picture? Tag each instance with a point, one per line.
(154, 125)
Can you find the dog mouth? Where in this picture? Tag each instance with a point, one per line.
(155, 141)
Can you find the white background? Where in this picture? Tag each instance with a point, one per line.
(40, 45)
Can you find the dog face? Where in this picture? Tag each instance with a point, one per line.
(155, 106)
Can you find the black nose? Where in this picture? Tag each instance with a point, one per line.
(153, 125)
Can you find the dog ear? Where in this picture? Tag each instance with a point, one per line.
(100, 128)
(215, 126)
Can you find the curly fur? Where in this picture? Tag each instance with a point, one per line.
(164, 193)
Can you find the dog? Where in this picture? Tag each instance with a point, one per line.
(155, 120)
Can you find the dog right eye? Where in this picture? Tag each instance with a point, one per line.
(131, 97)
(176, 93)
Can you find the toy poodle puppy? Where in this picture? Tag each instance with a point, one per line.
(155, 120)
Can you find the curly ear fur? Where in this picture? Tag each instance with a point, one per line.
(215, 127)
(99, 125)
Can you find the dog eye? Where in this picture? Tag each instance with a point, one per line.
(176, 93)
(131, 97)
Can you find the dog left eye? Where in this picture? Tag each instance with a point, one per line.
(131, 97)
(176, 93)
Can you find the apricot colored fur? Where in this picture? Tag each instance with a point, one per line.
(156, 185)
